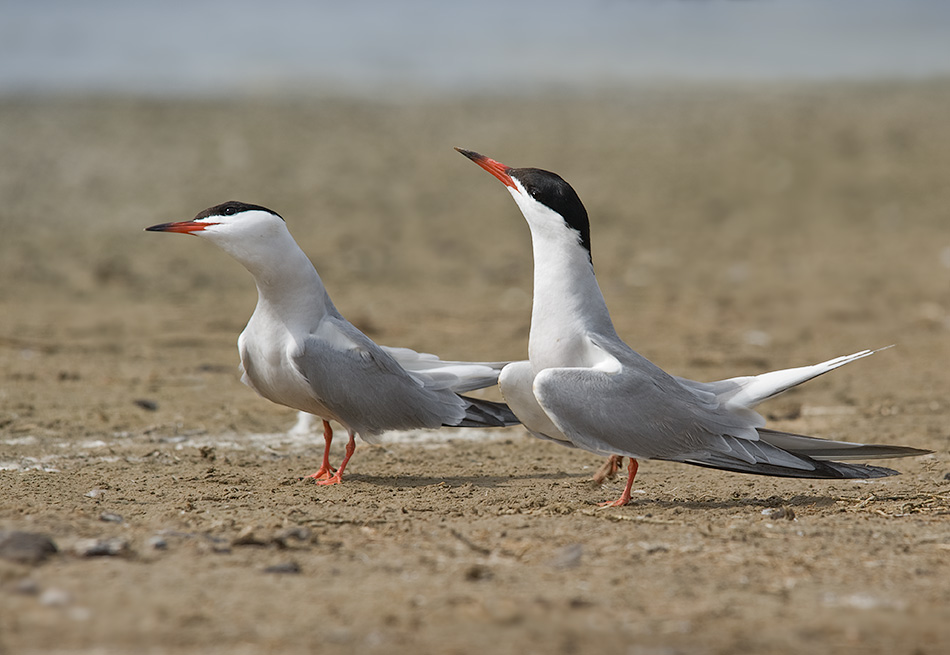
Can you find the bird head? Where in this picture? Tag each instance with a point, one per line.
(254, 235)
(229, 221)
(547, 201)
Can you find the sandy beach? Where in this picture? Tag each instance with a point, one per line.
(735, 230)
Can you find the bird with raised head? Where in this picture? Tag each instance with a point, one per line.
(583, 386)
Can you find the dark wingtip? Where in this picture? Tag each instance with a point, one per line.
(487, 414)
(823, 470)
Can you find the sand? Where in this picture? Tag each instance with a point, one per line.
(735, 230)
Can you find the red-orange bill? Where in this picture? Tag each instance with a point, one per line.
(185, 227)
(497, 169)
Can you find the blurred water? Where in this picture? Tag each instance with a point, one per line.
(201, 47)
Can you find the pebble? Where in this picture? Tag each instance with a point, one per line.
(55, 598)
(249, 537)
(285, 536)
(146, 404)
(157, 542)
(786, 513)
(284, 567)
(27, 587)
(568, 557)
(113, 547)
(252, 535)
(477, 572)
(25, 547)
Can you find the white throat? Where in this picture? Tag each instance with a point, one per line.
(289, 290)
(568, 305)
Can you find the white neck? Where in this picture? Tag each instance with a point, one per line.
(289, 290)
(568, 304)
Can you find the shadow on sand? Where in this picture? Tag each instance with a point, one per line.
(495, 481)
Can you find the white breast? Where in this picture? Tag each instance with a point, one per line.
(269, 369)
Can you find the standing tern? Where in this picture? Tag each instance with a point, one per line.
(297, 349)
(584, 387)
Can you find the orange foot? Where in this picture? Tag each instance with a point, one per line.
(325, 472)
(337, 478)
(625, 496)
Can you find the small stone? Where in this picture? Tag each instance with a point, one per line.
(25, 547)
(157, 542)
(146, 404)
(297, 533)
(568, 557)
(55, 598)
(654, 548)
(248, 537)
(784, 512)
(116, 546)
(27, 587)
(478, 572)
(291, 568)
(110, 517)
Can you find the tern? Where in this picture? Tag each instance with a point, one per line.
(297, 350)
(584, 387)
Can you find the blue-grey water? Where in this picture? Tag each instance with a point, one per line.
(211, 47)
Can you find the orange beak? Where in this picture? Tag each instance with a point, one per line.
(497, 169)
(185, 227)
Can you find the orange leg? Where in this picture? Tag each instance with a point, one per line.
(338, 476)
(325, 470)
(625, 496)
(609, 470)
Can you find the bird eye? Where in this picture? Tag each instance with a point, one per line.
(229, 211)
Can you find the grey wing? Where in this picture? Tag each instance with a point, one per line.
(366, 389)
(457, 376)
(649, 424)
(641, 413)
(825, 449)
(750, 390)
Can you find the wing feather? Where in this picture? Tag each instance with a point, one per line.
(643, 412)
(366, 387)
(460, 377)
